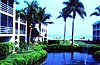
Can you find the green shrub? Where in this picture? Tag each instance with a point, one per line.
(6, 48)
(25, 57)
(53, 41)
(23, 45)
(6, 62)
(96, 55)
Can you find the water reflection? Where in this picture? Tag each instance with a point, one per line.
(70, 58)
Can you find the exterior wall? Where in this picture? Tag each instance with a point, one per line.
(10, 29)
(6, 20)
(43, 32)
(20, 30)
(96, 32)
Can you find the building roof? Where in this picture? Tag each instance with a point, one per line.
(98, 22)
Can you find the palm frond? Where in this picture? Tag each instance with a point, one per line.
(81, 12)
(48, 22)
(66, 3)
(80, 5)
(59, 16)
(27, 3)
(98, 8)
(45, 17)
(95, 13)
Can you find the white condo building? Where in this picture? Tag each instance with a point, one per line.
(96, 31)
(43, 32)
(11, 29)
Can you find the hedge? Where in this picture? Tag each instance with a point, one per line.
(25, 57)
(96, 55)
(6, 48)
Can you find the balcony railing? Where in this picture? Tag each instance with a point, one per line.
(6, 30)
(22, 31)
(6, 8)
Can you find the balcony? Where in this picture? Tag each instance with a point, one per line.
(6, 30)
(6, 8)
(22, 31)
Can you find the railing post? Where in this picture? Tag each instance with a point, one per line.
(18, 29)
(26, 32)
(14, 15)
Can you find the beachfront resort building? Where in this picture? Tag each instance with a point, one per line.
(96, 31)
(43, 33)
(12, 29)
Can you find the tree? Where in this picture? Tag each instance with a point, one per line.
(97, 13)
(74, 6)
(29, 13)
(64, 15)
(42, 17)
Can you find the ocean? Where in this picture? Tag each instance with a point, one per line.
(68, 37)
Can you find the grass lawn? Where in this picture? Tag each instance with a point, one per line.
(85, 44)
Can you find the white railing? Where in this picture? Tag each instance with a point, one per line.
(6, 8)
(6, 30)
(22, 31)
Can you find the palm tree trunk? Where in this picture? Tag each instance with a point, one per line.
(72, 32)
(28, 31)
(30, 35)
(64, 31)
(39, 31)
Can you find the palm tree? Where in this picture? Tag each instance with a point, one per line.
(97, 13)
(29, 13)
(42, 17)
(64, 15)
(74, 6)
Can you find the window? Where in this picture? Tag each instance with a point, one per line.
(97, 26)
(3, 20)
(10, 21)
(16, 26)
(94, 26)
(22, 29)
(0, 19)
(98, 32)
(94, 32)
(22, 20)
(10, 3)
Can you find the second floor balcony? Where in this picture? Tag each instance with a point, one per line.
(6, 30)
(6, 8)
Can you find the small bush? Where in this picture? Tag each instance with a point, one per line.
(6, 48)
(25, 57)
(96, 55)
(23, 46)
(53, 41)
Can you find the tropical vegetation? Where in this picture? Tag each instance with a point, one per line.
(96, 13)
(74, 6)
(33, 15)
(64, 15)
(31, 57)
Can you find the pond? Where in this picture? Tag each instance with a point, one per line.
(70, 58)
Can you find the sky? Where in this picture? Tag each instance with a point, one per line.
(82, 27)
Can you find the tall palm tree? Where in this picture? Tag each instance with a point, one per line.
(64, 15)
(42, 17)
(74, 6)
(97, 13)
(29, 13)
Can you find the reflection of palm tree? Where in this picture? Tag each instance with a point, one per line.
(72, 56)
(64, 57)
(74, 6)
(64, 14)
